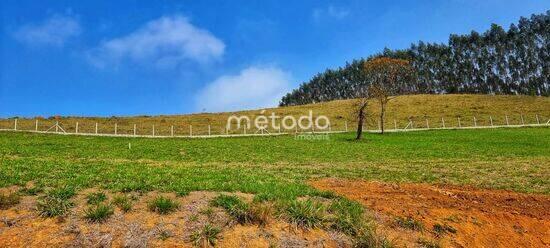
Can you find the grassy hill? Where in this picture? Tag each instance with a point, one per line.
(416, 107)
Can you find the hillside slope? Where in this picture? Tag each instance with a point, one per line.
(416, 107)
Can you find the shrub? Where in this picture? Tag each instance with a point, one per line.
(205, 237)
(8, 201)
(163, 205)
(409, 223)
(98, 213)
(306, 214)
(123, 202)
(96, 198)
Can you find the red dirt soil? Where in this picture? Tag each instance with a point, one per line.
(482, 218)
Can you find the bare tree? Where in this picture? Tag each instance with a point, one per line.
(360, 108)
(388, 78)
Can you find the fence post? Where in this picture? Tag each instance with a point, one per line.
(172, 130)
(522, 122)
(15, 124)
(116, 128)
(507, 123)
(443, 122)
(538, 122)
(57, 126)
(459, 122)
(475, 122)
(346, 124)
(491, 119)
(96, 128)
(209, 130)
(153, 130)
(76, 128)
(394, 124)
(135, 130)
(427, 123)
(190, 130)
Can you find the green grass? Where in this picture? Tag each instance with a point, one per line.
(205, 237)
(49, 206)
(306, 213)
(98, 213)
(278, 167)
(162, 205)
(243, 212)
(123, 202)
(96, 198)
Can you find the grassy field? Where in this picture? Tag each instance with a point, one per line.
(279, 167)
(416, 107)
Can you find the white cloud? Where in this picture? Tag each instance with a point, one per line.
(53, 31)
(331, 12)
(253, 88)
(167, 40)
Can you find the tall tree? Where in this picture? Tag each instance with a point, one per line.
(497, 61)
(388, 78)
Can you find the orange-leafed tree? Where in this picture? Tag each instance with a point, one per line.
(388, 78)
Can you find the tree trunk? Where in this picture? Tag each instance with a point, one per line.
(360, 120)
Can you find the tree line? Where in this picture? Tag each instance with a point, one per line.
(498, 61)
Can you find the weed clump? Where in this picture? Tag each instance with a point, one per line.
(409, 223)
(34, 190)
(9, 200)
(205, 237)
(50, 206)
(123, 203)
(96, 198)
(56, 202)
(235, 207)
(163, 205)
(243, 212)
(306, 214)
(64, 193)
(98, 213)
(368, 237)
(424, 243)
(441, 229)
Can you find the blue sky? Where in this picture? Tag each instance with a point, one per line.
(104, 58)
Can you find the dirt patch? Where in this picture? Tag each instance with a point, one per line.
(21, 226)
(462, 216)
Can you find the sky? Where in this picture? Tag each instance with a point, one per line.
(122, 58)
